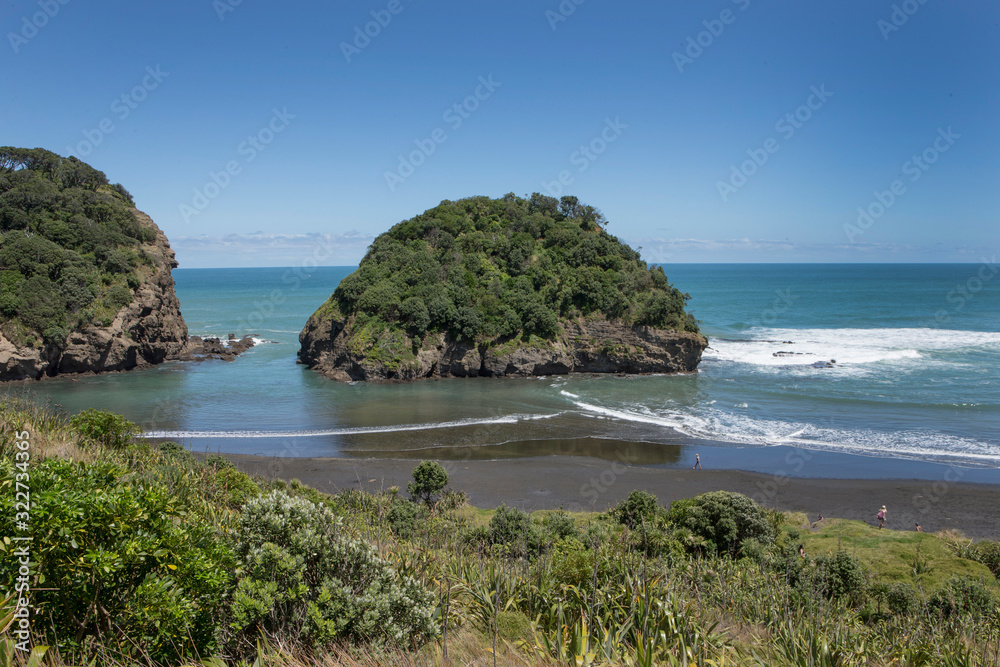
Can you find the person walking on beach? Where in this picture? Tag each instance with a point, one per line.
(881, 517)
(697, 463)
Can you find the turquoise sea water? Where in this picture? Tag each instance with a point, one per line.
(916, 375)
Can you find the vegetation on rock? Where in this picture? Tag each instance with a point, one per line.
(486, 269)
(71, 246)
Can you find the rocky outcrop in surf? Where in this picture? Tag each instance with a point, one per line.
(583, 346)
(500, 287)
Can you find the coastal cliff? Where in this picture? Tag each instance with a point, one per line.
(501, 287)
(583, 346)
(148, 330)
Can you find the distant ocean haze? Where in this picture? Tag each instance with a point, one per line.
(886, 360)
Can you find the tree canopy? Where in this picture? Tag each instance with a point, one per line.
(70, 245)
(482, 268)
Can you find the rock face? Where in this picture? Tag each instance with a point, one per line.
(147, 331)
(584, 346)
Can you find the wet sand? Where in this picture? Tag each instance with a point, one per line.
(938, 497)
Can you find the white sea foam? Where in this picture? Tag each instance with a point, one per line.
(846, 346)
(738, 428)
(361, 430)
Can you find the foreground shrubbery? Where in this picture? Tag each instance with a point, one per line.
(160, 558)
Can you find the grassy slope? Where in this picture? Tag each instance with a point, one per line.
(925, 560)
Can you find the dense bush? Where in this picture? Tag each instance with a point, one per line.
(840, 575)
(429, 479)
(988, 553)
(560, 525)
(724, 520)
(302, 578)
(105, 428)
(512, 528)
(130, 565)
(404, 517)
(964, 595)
(487, 269)
(640, 507)
(67, 238)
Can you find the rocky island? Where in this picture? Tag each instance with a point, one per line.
(85, 277)
(501, 287)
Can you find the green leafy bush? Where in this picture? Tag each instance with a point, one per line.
(964, 595)
(724, 520)
(130, 563)
(302, 578)
(840, 575)
(640, 507)
(560, 525)
(987, 553)
(512, 528)
(106, 428)
(429, 478)
(404, 517)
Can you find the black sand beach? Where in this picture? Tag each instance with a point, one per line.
(937, 496)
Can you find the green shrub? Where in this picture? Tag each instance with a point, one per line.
(640, 507)
(840, 575)
(901, 598)
(452, 500)
(117, 297)
(302, 579)
(512, 528)
(105, 428)
(429, 478)
(233, 487)
(724, 520)
(132, 565)
(963, 595)
(560, 525)
(404, 517)
(988, 553)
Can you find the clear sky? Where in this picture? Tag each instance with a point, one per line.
(728, 131)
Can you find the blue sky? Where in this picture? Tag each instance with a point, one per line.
(715, 131)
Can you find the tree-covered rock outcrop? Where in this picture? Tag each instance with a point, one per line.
(85, 280)
(496, 287)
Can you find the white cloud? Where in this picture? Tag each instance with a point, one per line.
(264, 249)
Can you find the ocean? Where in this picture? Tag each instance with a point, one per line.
(867, 361)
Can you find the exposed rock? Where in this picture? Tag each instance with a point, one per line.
(199, 349)
(584, 346)
(147, 331)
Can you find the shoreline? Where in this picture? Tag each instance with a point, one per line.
(584, 483)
